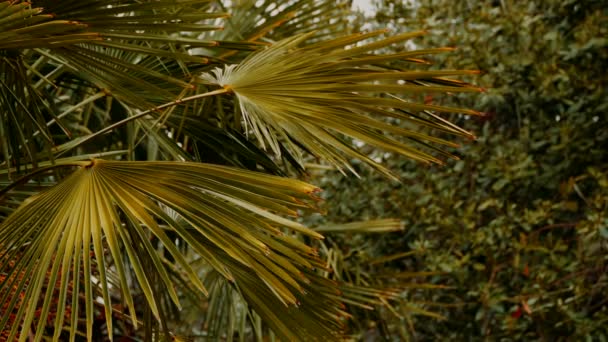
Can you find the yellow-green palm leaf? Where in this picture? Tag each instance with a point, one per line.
(316, 94)
(48, 48)
(109, 211)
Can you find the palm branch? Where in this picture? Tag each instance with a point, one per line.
(312, 95)
(232, 228)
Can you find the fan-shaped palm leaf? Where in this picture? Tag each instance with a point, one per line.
(109, 211)
(62, 45)
(314, 94)
(109, 29)
(269, 20)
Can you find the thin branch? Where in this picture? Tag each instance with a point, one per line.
(81, 140)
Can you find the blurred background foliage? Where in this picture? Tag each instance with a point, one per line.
(510, 241)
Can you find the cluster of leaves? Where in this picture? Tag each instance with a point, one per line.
(519, 227)
(145, 153)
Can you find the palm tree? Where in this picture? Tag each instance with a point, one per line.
(150, 152)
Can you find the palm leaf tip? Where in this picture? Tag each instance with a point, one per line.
(110, 210)
(318, 94)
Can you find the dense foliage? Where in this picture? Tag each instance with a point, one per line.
(517, 229)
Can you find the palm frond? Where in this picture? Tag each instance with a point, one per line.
(123, 48)
(110, 210)
(316, 94)
(24, 26)
(320, 18)
(268, 20)
(22, 114)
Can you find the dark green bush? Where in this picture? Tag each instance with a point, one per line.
(518, 229)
